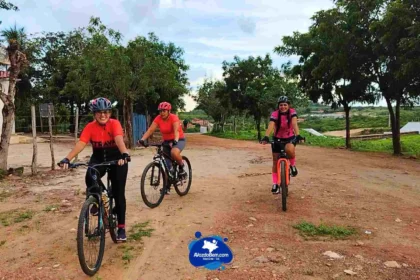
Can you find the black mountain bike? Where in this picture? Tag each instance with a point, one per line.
(284, 172)
(96, 217)
(160, 177)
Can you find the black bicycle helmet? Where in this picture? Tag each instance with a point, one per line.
(283, 99)
(100, 104)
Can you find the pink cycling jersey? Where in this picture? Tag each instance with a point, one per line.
(285, 130)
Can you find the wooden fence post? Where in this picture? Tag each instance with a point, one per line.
(51, 138)
(76, 127)
(35, 146)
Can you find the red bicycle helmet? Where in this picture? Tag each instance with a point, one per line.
(165, 106)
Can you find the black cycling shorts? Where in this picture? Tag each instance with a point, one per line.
(279, 143)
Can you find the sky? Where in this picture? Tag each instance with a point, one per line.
(209, 31)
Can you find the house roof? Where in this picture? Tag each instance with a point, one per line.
(411, 126)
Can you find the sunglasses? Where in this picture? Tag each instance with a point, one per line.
(163, 111)
(284, 105)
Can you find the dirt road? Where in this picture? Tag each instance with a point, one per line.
(230, 196)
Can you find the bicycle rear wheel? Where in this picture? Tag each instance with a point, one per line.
(183, 186)
(153, 185)
(283, 185)
(90, 250)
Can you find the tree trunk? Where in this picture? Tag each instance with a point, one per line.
(8, 116)
(258, 122)
(72, 117)
(234, 124)
(17, 62)
(397, 142)
(347, 111)
(394, 127)
(128, 112)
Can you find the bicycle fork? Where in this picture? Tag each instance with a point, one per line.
(287, 167)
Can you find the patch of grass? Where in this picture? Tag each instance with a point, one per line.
(332, 124)
(370, 118)
(5, 194)
(307, 229)
(127, 254)
(49, 208)
(379, 130)
(27, 215)
(13, 216)
(331, 142)
(309, 272)
(38, 198)
(38, 225)
(24, 228)
(139, 230)
(410, 145)
(193, 129)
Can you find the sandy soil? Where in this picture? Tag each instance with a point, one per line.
(230, 196)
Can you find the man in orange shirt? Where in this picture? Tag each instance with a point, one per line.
(173, 136)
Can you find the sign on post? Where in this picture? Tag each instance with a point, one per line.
(44, 110)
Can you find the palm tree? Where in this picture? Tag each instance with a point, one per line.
(15, 34)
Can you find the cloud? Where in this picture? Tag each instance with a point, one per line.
(140, 10)
(247, 25)
(209, 31)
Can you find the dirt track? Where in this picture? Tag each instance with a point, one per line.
(230, 185)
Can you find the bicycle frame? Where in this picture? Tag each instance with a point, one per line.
(101, 187)
(160, 158)
(283, 157)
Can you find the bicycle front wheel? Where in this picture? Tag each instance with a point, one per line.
(153, 185)
(184, 184)
(90, 237)
(112, 221)
(283, 185)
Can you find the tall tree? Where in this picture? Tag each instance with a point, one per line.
(17, 62)
(208, 100)
(333, 62)
(247, 82)
(391, 67)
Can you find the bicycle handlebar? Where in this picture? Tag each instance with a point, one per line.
(293, 141)
(144, 144)
(77, 164)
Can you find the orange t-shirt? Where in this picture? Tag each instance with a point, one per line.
(167, 127)
(102, 138)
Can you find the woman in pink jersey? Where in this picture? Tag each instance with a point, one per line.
(286, 132)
